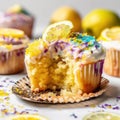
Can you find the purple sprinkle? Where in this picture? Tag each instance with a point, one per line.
(73, 115)
(24, 112)
(116, 108)
(107, 105)
(96, 46)
(118, 97)
(102, 106)
(96, 68)
(86, 44)
(101, 66)
(1, 85)
(55, 49)
(11, 81)
(35, 110)
(3, 57)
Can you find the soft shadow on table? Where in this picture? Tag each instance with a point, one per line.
(111, 92)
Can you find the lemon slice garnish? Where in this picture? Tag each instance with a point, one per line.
(10, 32)
(15, 9)
(110, 34)
(102, 116)
(27, 117)
(58, 31)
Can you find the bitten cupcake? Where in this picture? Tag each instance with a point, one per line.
(72, 66)
(12, 46)
(110, 39)
(18, 18)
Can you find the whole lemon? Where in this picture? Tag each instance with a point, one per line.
(97, 20)
(67, 13)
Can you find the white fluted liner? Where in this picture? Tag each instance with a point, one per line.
(90, 76)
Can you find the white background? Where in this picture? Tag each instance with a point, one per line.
(43, 9)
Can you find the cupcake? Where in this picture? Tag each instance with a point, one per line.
(72, 66)
(12, 46)
(110, 39)
(18, 18)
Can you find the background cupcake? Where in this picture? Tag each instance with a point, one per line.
(110, 39)
(90, 57)
(19, 18)
(12, 46)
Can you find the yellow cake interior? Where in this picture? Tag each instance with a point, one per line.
(51, 73)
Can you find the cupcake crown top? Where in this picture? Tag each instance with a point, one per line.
(10, 37)
(85, 47)
(80, 46)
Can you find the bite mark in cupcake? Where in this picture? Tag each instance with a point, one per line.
(67, 66)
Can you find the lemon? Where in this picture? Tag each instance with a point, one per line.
(97, 20)
(102, 116)
(27, 117)
(10, 32)
(110, 34)
(17, 9)
(57, 31)
(14, 9)
(67, 13)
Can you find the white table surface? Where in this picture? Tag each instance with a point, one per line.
(10, 105)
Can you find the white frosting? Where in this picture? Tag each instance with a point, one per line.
(14, 47)
(66, 53)
(111, 44)
(98, 54)
(4, 47)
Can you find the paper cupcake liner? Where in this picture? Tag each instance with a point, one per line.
(12, 62)
(22, 89)
(89, 76)
(112, 62)
(18, 21)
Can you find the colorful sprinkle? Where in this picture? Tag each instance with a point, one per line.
(74, 115)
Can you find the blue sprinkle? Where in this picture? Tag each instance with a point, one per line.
(87, 39)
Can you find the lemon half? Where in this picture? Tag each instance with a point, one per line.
(57, 31)
(10, 32)
(110, 34)
(102, 116)
(14, 9)
(27, 117)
